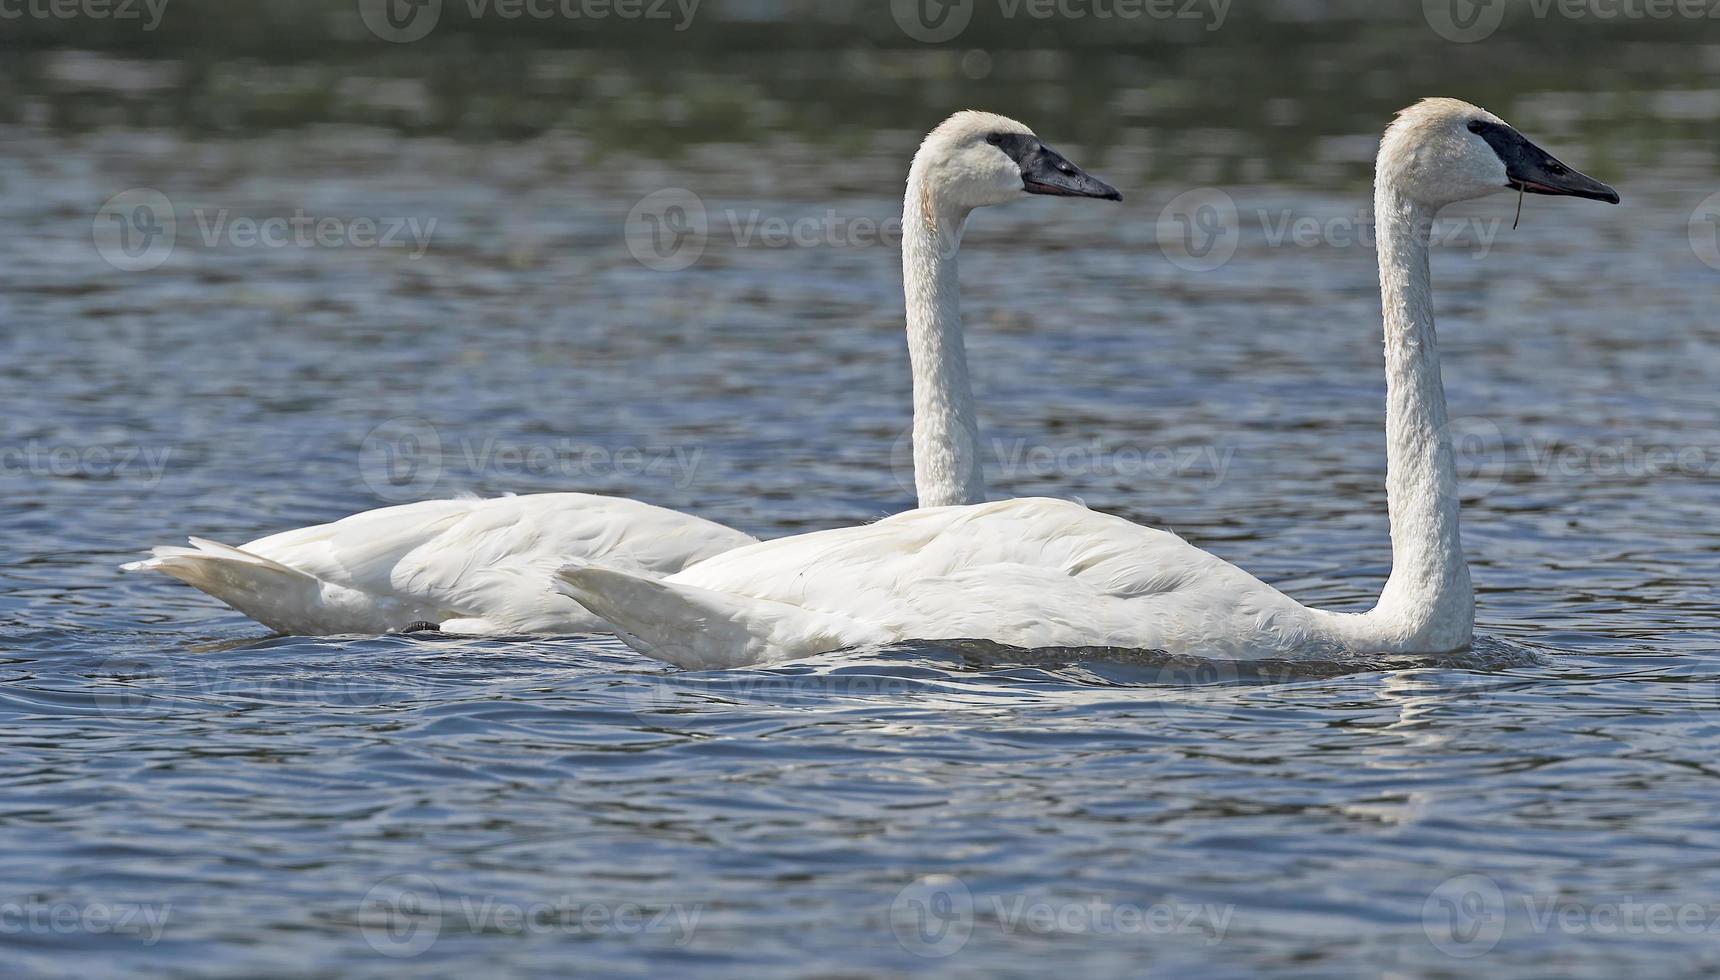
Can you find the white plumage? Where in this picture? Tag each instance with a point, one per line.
(1046, 573)
(1030, 573)
(470, 565)
(485, 566)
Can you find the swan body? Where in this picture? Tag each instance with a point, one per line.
(469, 565)
(1046, 573)
(1033, 573)
(486, 566)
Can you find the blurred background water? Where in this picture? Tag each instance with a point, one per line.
(474, 298)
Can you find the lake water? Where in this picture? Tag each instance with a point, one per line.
(184, 794)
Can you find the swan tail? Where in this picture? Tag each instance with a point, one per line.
(699, 629)
(197, 563)
(281, 598)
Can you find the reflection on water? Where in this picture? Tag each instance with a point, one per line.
(340, 805)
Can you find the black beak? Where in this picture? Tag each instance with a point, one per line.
(1045, 171)
(1553, 177)
(1532, 170)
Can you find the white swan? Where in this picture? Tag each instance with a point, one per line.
(484, 566)
(1045, 573)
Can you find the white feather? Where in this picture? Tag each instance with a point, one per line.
(1046, 573)
(484, 566)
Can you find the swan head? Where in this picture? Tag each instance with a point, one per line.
(975, 159)
(1442, 151)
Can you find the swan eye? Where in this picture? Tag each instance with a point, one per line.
(995, 139)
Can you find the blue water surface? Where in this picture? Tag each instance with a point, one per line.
(181, 793)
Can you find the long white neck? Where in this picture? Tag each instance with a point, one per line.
(948, 469)
(1428, 604)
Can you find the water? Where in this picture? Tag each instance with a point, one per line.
(184, 794)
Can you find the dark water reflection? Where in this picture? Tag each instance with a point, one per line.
(319, 806)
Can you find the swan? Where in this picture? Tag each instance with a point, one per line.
(484, 566)
(1040, 573)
